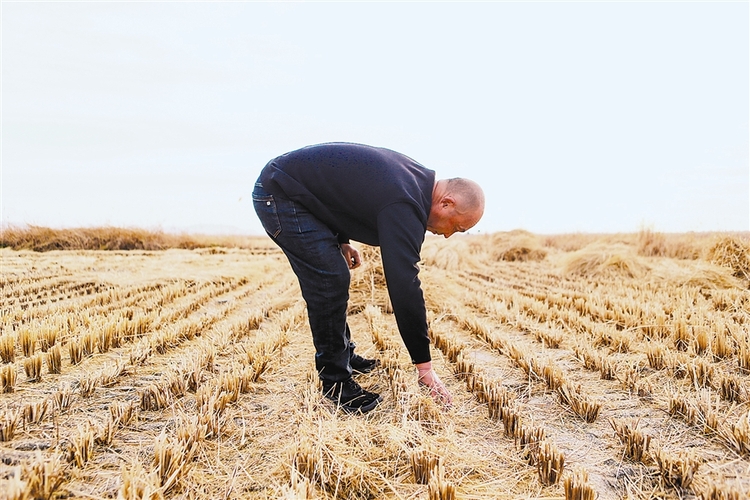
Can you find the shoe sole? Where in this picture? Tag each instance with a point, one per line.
(361, 409)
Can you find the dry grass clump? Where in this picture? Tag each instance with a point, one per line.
(528, 441)
(123, 413)
(27, 339)
(577, 486)
(172, 460)
(43, 477)
(604, 260)
(651, 243)
(109, 375)
(137, 484)
(451, 255)
(677, 469)
(75, 350)
(305, 461)
(63, 397)
(105, 433)
(7, 378)
(498, 399)
(701, 373)
(511, 421)
(701, 411)
(696, 273)
(440, 489)
(737, 434)
(549, 337)
(657, 355)
(341, 464)
(581, 404)
(732, 252)
(81, 446)
(715, 491)
(87, 386)
(33, 368)
(636, 443)
(54, 359)
(34, 412)
(551, 464)
(7, 348)
(155, 397)
(8, 422)
(48, 338)
(516, 246)
(675, 246)
(731, 388)
(424, 463)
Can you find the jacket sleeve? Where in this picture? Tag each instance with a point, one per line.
(401, 232)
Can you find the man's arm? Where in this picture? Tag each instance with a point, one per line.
(401, 233)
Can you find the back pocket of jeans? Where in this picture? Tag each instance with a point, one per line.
(265, 207)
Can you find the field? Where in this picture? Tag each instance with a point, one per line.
(581, 366)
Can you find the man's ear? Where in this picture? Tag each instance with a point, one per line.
(448, 201)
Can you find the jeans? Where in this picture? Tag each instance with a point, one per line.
(323, 274)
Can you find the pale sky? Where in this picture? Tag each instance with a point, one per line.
(589, 116)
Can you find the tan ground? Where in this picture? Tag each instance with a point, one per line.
(217, 340)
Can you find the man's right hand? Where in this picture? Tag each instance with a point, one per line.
(428, 378)
(351, 255)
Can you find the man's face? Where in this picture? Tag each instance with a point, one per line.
(445, 219)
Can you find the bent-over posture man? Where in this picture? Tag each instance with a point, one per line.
(312, 201)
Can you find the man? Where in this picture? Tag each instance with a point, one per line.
(312, 201)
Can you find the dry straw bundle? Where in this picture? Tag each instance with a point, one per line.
(7, 378)
(636, 443)
(43, 477)
(43, 239)
(8, 423)
(137, 484)
(440, 489)
(528, 441)
(581, 404)
(551, 464)
(172, 460)
(81, 446)
(516, 246)
(676, 246)
(601, 260)
(452, 255)
(34, 412)
(737, 434)
(577, 486)
(7, 348)
(341, 464)
(716, 491)
(425, 463)
(732, 252)
(677, 469)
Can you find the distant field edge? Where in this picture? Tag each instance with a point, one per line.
(45, 239)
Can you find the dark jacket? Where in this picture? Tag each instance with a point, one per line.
(373, 195)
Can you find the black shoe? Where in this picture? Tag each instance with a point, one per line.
(350, 396)
(363, 365)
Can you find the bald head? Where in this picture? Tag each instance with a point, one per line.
(457, 205)
(469, 195)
